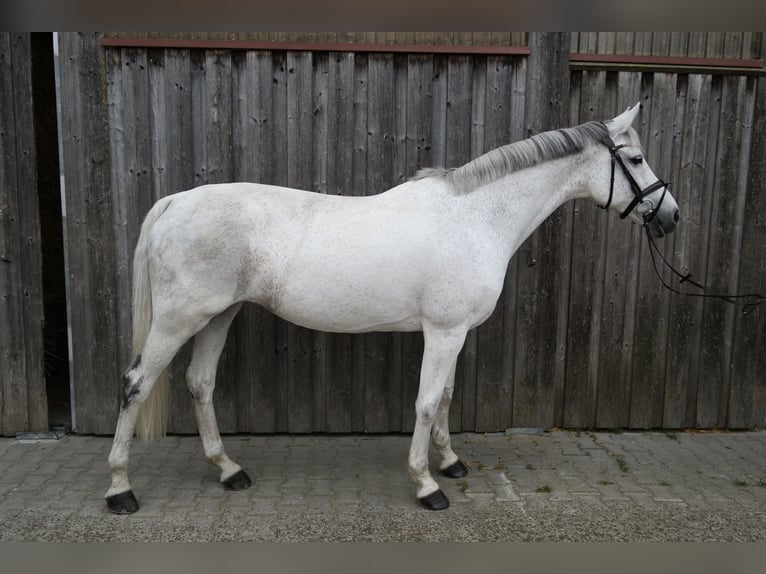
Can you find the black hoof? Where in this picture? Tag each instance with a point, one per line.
(435, 501)
(455, 470)
(123, 503)
(237, 481)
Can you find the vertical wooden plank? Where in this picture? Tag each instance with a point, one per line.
(319, 108)
(541, 258)
(438, 81)
(381, 129)
(218, 115)
(419, 92)
(650, 337)
(679, 44)
(697, 41)
(748, 386)
(470, 367)
(90, 237)
(217, 125)
(258, 78)
(177, 150)
(299, 175)
(738, 401)
(747, 45)
(574, 46)
(732, 44)
(686, 313)
(623, 43)
(587, 268)
(605, 42)
(614, 348)
(402, 344)
(340, 157)
(128, 101)
(707, 191)
(661, 43)
(642, 43)
(359, 187)
(458, 152)
(757, 47)
(278, 156)
(591, 42)
(494, 389)
(714, 45)
(23, 404)
(718, 317)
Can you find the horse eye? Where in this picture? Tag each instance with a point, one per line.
(637, 160)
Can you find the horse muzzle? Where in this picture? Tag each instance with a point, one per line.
(662, 222)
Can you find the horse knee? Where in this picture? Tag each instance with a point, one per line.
(426, 410)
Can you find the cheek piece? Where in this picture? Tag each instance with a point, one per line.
(638, 193)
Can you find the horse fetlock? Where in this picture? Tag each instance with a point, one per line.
(426, 487)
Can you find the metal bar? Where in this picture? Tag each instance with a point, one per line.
(187, 43)
(712, 70)
(683, 61)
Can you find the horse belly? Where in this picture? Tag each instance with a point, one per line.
(335, 299)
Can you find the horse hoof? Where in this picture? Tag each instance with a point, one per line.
(455, 470)
(237, 481)
(123, 503)
(435, 501)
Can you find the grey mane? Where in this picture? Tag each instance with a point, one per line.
(512, 157)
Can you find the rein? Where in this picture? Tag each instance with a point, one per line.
(746, 300)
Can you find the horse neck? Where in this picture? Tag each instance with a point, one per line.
(518, 203)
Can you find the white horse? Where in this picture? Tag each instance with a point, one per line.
(429, 255)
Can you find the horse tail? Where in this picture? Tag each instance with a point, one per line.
(153, 415)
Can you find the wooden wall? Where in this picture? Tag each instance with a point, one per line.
(583, 336)
(742, 45)
(23, 405)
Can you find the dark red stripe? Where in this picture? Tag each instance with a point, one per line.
(188, 43)
(665, 61)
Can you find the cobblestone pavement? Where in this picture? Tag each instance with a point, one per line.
(562, 485)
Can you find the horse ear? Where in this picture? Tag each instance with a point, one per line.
(621, 123)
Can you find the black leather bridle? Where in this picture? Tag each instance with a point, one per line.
(638, 193)
(747, 300)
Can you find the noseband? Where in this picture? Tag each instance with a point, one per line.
(639, 194)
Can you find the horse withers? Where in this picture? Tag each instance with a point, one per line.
(429, 255)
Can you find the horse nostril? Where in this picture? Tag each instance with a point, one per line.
(676, 216)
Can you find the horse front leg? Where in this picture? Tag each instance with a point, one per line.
(450, 465)
(439, 356)
(200, 378)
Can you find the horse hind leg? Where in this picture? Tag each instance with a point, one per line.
(200, 378)
(137, 383)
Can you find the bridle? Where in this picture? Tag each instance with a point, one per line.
(638, 193)
(747, 300)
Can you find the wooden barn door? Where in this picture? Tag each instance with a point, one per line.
(23, 404)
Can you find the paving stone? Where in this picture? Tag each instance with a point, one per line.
(677, 486)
